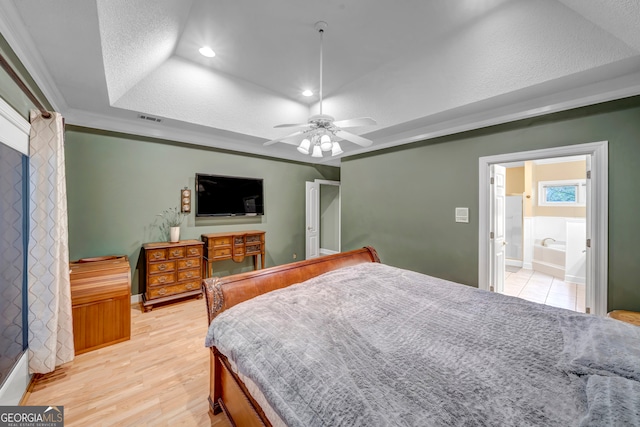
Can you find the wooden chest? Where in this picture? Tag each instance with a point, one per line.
(171, 271)
(101, 302)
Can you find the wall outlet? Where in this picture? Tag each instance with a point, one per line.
(295, 256)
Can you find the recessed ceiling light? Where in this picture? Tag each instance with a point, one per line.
(207, 51)
(307, 93)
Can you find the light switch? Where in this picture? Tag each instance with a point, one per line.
(462, 214)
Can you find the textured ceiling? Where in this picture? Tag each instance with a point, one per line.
(420, 68)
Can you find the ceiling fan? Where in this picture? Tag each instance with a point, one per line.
(322, 132)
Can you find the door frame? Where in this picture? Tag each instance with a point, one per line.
(318, 183)
(597, 269)
(14, 133)
(497, 208)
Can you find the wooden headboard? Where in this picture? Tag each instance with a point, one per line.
(222, 293)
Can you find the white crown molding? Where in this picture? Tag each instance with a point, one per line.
(167, 132)
(14, 129)
(596, 93)
(28, 53)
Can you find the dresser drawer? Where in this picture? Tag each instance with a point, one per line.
(194, 273)
(238, 251)
(194, 251)
(161, 279)
(163, 291)
(188, 263)
(156, 254)
(221, 241)
(251, 239)
(251, 249)
(161, 267)
(222, 253)
(177, 252)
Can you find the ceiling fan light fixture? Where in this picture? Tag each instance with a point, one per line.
(304, 146)
(321, 128)
(325, 142)
(207, 51)
(336, 150)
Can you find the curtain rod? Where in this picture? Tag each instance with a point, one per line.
(23, 87)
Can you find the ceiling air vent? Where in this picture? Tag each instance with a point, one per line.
(149, 118)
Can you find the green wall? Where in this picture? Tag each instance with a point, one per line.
(117, 184)
(402, 200)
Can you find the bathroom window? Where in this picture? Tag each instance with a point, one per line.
(562, 193)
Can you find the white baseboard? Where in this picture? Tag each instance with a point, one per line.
(527, 265)
(574, 279)
(327, 251)
(513, 262)
(136, 298)
(17, 383)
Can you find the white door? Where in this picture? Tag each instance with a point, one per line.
(590, 295)
(312, 220)
(497, 230)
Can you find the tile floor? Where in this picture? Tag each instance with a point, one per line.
(542, 288)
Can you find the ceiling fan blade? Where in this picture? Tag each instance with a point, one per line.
(353, 138)
(273, 141)
(294, 125)
(352, 123)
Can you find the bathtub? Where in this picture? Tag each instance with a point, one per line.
(550, 259)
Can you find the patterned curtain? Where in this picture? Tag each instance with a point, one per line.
(50, 322)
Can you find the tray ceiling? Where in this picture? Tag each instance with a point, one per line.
(421, 69)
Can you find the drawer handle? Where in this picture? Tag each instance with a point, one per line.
(162, 267)
(162, 279)
(189, 263)
(189, 274)
(193, 251)
(189, 286)
(176, 253)
(157, 255)
(162, 291)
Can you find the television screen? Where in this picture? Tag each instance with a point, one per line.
(228, 196)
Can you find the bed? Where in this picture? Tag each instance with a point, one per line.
(346, 340)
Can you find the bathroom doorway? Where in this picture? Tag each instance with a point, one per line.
(550, 255)
(545, 215)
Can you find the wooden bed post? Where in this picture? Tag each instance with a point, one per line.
(215, 388)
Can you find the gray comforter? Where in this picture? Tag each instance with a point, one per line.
(373, 345)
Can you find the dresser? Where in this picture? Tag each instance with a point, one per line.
(170, 271)
(235, 245)
(100, 302)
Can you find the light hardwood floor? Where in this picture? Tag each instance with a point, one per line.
(158, 378)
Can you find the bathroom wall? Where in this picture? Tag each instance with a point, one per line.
(515, 181)
(541, 222)
(556, 172)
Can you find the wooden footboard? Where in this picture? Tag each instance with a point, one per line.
(226, 391)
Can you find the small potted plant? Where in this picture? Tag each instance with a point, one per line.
(172, 219)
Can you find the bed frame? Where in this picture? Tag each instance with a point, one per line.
(226, 391)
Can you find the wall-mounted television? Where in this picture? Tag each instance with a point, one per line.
(218, 195)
